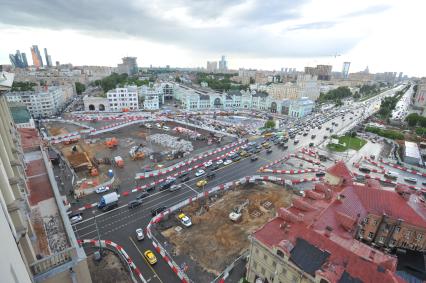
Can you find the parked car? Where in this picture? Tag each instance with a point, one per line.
(186, 178)
(214, 167)
(391, 175)
(200, 173)
(183, 174)
(185, 220)
(109, 207)
(211, 175)
(202, 183)
(254, 158)
(320, 174)
(139, 234)
(102, 189)
(311, 144)
(208, 164)
(269, 150)
(220, 161)
(364, 169)
(227, 162)
(150, 257)
(142, 195)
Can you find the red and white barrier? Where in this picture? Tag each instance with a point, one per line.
(120, 249)
(402, 168)
(291, 172)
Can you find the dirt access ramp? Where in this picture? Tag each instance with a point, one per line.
(214, 241)
(109, 270)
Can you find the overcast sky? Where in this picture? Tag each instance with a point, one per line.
(386, 35)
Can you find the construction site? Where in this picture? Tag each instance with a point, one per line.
(129, 150)
(220, 227)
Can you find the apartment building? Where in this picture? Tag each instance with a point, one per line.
(123, 98)
(342, 232)
(36, 239)
(44, 102)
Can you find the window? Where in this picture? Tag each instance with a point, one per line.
(419, 236)
(365, 220)
(397, 229)
(381, 240)
(370, 235)
(375, 222)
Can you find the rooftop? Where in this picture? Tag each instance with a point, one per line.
(412, 150)
(20, 114)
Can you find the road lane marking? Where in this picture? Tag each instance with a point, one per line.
(149, 265)
(190, 188)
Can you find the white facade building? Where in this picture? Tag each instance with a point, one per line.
(42, 103)
(123, 98)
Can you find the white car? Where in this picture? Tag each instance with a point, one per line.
(220, 161)
(410, 180)
(208, 164)
(200, 173)
(76, 218)
(185, 220)
(139, 234)
(227, 162)
(102, 189)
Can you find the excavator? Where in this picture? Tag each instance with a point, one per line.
(93, 171)
(136, 152)
(111, 143)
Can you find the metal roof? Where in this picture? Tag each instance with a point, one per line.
(412, 150)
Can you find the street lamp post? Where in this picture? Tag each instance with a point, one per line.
(97, 231)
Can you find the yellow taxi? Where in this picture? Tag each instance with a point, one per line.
(150, 257)
(201, 183)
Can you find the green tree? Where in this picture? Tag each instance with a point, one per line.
(178, 80)
(79, 87)
(269, 124)
(412, 119)
(422, 121)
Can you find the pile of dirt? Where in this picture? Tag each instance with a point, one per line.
(214, 241)
(109, 269)
(55, 131)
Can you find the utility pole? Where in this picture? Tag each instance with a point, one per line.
(97, 231)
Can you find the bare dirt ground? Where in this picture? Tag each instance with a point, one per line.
(214, 241)
(109, 270)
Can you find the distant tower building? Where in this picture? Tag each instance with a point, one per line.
(48, 58)
(18, 60)
(129, 66)
(345, 69)
(223, 65)
(400, 77)
(24, 59)
(35, 54)
(212, 66)
(366, 71)
(57, 64)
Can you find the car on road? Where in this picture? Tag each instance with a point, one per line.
(220, 161)
(391, 175)
(311, 144)
(142, 195)
(214, 167)
(313, 136)
(296, 141)
(175, 188)
(202, 183)
(410, 180)
(210, 175)
(109, 207)
(75, 218)
(186, 178)
(185, 220)
(227, 162)
(365, 169)
(158, 210)
(200, 173)
(254, 158)
(320, 174)
(150, 257)
(236, 158)
(183, 174)
(134, 203)
(139, 234)
(208, 164)
(269, 150)
(102, 189)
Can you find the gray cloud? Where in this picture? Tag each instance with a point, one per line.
(131, 18)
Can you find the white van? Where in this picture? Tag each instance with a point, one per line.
(391, 175)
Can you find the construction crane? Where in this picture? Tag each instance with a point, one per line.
(236, 214)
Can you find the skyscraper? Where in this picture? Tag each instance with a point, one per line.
(24, 59)
(17, 60)
(345, 69)
(129, 66)
(223, 65)
(211, 66)
(48, 58)
(37, 60)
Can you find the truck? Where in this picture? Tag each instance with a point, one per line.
(108, 199)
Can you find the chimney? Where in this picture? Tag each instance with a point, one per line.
(328, 231)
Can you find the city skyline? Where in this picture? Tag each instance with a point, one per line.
(295, 34)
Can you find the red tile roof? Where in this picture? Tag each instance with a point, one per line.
(340, 170)
(341, 258)
(38, 182)
(30, 139)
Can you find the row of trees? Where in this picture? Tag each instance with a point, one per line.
(335, 95)
(23, 86)
(114, 80)
(415, 119)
